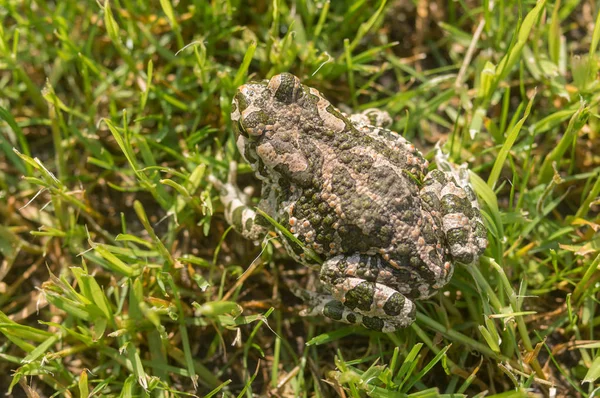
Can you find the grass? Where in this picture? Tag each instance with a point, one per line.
(119, 275)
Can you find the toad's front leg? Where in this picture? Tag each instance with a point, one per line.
(238, 213)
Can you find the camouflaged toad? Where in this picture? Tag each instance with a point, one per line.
(357, 194)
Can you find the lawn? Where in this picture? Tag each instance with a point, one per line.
(119, 275)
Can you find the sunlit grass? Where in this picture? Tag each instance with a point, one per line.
(119, 275)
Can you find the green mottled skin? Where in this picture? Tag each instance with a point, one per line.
(358, 194)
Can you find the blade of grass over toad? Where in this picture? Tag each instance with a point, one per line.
(506, 147)
(308, 251)
(350, 74)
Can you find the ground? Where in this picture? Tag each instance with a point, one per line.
(119, 274)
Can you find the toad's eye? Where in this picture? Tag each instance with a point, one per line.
(253, 123)
(238, 128)
(285, 87)
(240, 101)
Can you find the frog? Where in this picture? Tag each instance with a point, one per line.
(360, 196)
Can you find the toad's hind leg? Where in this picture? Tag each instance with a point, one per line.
(460, 216)
(326, 305)
(358, 296)
(320, 304)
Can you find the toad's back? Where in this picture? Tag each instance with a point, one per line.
(340, 187)
(356, 193)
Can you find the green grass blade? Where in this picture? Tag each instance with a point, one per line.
(506, 147)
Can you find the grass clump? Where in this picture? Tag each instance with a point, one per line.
(119, 276)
